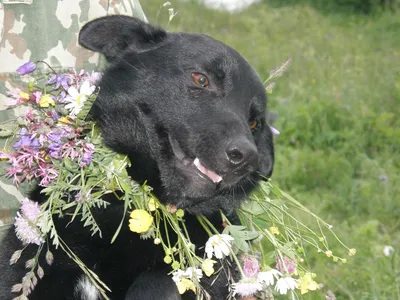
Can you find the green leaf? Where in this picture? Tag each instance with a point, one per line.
(268, 258)
(242, 245)
(254, 207)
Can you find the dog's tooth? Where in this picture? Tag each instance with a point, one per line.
(210, 174)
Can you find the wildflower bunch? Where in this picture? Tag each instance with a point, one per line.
(55, 145)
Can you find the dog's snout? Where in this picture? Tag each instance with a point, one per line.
(242, 154)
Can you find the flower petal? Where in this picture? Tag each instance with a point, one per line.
(73, 92)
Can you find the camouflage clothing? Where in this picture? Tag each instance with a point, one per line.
(44, 30)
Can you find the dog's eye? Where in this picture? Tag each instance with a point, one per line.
(200, 79)
(253, 124)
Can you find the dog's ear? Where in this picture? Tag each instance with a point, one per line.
(112, 35)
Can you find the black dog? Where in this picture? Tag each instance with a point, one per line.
(190, 113)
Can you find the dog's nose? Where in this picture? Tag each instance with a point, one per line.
(242, 155)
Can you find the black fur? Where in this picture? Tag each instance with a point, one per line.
(150, 108)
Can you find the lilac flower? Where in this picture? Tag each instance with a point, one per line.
(47, 172)
(26, 140)
(59, 80)
(26, 68)
(30, 210)
(56, 135)
(26, 232)
(246, 287)
(76, 77)
(12, 101)
(15, 97)
(286, 265)
(37, 95)
(54, 114)
(30, 115)
(95, 77)
(14, 172)
(383, 178)
(14, 93)
(250, 266)
(274, 130)
(86, 158)
(69, 151)
(48, 175)
(61, 97)
(83, 196)
(54, 150)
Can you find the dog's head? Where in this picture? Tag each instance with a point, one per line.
(187, 109)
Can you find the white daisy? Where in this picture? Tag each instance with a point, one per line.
(246, 287)
(388, 250)
(268, 277)
(285, 284)
(77, 99)
(179, 274)
(218, 244)
(191, 271)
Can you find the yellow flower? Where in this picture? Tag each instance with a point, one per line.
(306, 283)
(352, 251)
(63, 120)
(24, 95)
(208, 266)
(46, 101)
(274, 230)
(152, 204)
(157, 241)
(328, 253)
(140, 221)
(185, 285)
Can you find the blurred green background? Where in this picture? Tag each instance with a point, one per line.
(338, 112)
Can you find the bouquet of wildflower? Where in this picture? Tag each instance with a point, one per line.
(55, 145)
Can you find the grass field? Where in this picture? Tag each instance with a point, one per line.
(338, 112)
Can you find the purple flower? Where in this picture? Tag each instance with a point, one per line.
(14, 172)
(26, 68)
(30, 210)
(383, 178)
(54, 114)
(37, 95)
(59, 80)
(26, 140)
(95, 77)
(61, 97)
(54, 150)
(47, 174)
(28, 233)
(250, 266)
(286, 265)
(86, 158)
(274, 130)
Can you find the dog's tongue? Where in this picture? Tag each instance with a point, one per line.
(210, 174)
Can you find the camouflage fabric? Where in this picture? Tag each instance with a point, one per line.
(44, 30)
